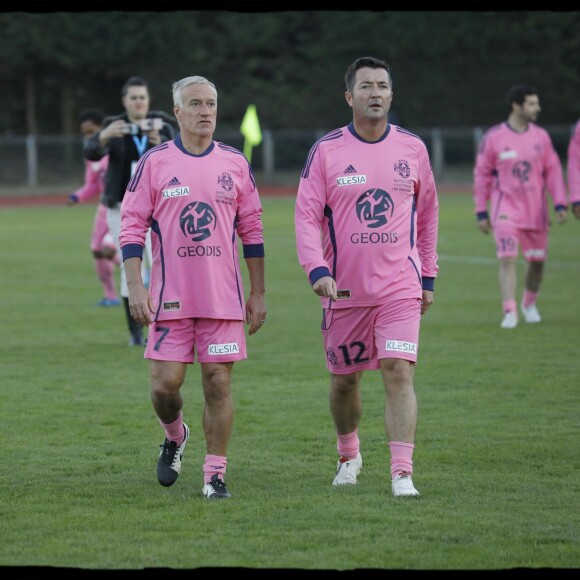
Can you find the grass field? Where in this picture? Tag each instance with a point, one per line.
(497, 449)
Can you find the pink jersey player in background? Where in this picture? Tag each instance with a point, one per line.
(199, 197)
(102, 243)
(573, 170)
(516, 166)
(366, 221)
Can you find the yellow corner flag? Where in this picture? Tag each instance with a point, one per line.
(250, 129)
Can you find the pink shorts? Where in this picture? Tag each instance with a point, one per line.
(534, 243)
(214, 341)
(355, 339)
(100, 236)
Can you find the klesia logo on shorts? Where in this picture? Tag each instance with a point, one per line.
(539, 253)
(228, 348)
(401, 346)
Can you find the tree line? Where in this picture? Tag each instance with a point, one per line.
(449, 68)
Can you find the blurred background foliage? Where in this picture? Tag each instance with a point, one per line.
(449, 68)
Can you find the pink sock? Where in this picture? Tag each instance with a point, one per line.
(348, 445)
(401, 458)
(214, 464)
(509, 306)
(106, 273)
(174, 431)
(529, 298)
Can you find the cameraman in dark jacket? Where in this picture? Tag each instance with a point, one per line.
(125, 138)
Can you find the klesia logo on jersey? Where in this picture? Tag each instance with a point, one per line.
(402, 168)
(174, 189)
(521, 171)
(197, 220)
(350, 179)
(508, 154)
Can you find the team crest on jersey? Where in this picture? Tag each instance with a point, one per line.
(226, 181)
(402, 168)
(374, 207)
(198, 220)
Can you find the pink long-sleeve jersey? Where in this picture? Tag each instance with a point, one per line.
(199, 207)
(94, 179)
(512, 171)
(367, 214)
(574, 165)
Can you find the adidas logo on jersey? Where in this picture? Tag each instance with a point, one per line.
(173, 182)
(350, 169)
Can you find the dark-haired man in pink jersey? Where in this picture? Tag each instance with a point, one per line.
(515, 165)
(366, 222)
(199, 197)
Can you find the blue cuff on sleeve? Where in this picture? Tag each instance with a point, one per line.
(560, 208)
(132, 251)
(318, 273)
(428, 283)
(576, 204)
(482, 215)
(74, 197)
(254, 251)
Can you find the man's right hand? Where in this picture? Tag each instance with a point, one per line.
(325, 286)
(484, 225)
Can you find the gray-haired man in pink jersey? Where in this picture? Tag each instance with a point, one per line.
(366, 221)
(198, 196)
(515, 165)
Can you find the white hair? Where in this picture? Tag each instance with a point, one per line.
(194, 80)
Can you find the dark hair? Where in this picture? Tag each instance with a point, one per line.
(95, 115)
(133, 82)
(518, 94)
(368, 62)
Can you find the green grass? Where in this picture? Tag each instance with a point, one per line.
(497, 449)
